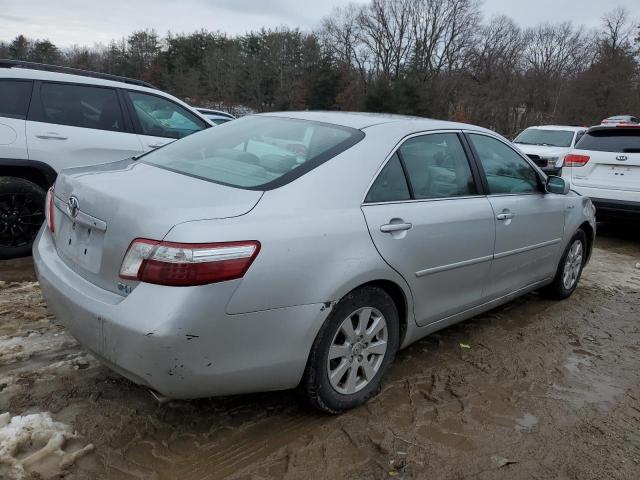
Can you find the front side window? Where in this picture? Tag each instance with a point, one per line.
(160, 117)
(543, 137)
(390, 185)
(14, 98)
(437, 166)
(257, 152)
(506, 171)
(81, 106)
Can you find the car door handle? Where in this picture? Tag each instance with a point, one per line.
(395, 227)
(51, 136)
(505, 216)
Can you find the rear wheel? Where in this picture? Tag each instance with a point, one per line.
(21, 215)
(352, 351)
(570, 268)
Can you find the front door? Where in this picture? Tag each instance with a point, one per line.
(529, 222)
(429, 222)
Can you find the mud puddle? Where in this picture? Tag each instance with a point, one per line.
(546, 390)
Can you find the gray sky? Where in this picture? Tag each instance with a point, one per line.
(85, 22)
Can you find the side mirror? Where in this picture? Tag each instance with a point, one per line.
(557, 185)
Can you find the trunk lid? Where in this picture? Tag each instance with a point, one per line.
(614, 159)
(117, 202)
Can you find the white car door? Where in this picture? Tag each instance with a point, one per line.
(159, 120)
(73, 124)
(14, 103)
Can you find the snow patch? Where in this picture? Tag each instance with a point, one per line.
(36, 444)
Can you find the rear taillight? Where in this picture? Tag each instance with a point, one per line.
(184, 264)
(48, 210)
(573, 160)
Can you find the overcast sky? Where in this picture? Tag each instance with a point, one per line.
(85, 22)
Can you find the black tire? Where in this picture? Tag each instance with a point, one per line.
(315, 384)
(21, 215)
(557, 289)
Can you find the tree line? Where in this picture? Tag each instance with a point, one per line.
(433, 58)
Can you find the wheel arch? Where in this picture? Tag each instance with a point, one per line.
(590, 233)
(34, 171)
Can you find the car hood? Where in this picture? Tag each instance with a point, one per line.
(543, 151)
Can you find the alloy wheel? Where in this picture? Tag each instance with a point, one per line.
(357, 350)
(572, 265)
(21, 216)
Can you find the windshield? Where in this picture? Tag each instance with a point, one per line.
(255, 152)
(547, 138)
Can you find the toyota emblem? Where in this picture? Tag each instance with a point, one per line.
(73, 207)
(622, 158)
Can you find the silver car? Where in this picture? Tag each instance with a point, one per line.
(301, 249)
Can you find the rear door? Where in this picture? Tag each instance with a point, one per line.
(613, 159)
(14, 103)
(529, 223)
(159, 120)
(431, 223)
(72, 125)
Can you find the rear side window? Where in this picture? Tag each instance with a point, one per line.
(437, 166)
(391, 184)
(615, 139)
(14, 98)
(81, 106)
(255, 152)
(160, 117)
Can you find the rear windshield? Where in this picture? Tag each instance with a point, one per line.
(623, 140)
(551, 138)
(255, 152)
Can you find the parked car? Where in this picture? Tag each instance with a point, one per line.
(213, 266)
(56, 117)
(217, 117)
(547, 145)
(605, 165)
(621, 120)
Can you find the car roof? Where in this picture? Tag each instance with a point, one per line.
(572, 128)
(362, 120)
(31, 74)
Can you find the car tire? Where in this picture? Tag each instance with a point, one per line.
(21, 215)
(569, 269)
(358, 363)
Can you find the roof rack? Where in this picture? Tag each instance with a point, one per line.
(4, 63)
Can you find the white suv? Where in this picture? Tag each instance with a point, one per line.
(605, 165)
(56, 117)
(547, 145)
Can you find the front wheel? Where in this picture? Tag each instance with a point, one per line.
(569, 269)
(21, 215)
(352, 351)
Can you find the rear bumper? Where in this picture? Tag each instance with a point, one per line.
(616, 208)
(178, 340)
(611, 203)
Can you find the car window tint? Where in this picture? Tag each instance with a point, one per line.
(437, 166)
(579, 135)
(160, 117)
(613, 139)
(506, 171)
(81, 106)
(256, 151)
(14, 98)
(391, 184)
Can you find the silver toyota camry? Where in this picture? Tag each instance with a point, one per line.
(301, 250)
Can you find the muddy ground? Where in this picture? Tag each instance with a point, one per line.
(546, 390)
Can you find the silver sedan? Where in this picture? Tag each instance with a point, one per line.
(301, 250)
